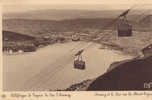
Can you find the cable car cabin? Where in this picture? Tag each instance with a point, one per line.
(124, 29)
(79, 63)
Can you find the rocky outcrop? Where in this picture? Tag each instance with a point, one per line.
(82, 86)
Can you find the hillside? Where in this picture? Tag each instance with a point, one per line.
(132, 75)
(13, 42)
(13, 36)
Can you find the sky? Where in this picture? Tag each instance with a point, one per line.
(10, 6)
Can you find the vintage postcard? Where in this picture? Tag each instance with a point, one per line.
(73, 48)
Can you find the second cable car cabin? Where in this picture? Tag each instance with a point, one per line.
(124, 28)
(78, 62)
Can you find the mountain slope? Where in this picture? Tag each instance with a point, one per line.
(13, 36)
(132, 75)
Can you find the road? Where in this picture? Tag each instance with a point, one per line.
(51, 67)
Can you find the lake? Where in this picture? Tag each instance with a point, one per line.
(51, 67)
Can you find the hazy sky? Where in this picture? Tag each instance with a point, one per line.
(26, 5)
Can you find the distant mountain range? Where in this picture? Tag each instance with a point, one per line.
(47, 21)
(62, 14)
(55, 14)
(27, 26)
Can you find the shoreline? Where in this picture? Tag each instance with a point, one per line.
(69, 69)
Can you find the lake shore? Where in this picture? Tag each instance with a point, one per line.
(51, 67)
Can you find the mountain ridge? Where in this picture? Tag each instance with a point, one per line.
(61, 14)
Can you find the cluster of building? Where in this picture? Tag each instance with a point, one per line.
(26, 46)
(14, 42)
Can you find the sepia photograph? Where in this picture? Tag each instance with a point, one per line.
(66, 45)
